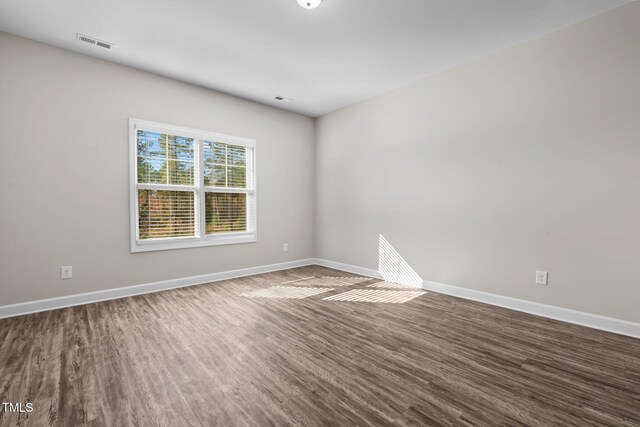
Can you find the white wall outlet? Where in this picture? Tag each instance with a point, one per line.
(285, 247)
(66, 272)
(541, 278)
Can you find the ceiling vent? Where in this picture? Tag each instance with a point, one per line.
(93, 41)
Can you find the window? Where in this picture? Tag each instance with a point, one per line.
(190, 188)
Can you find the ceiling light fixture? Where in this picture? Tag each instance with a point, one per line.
(309, 4)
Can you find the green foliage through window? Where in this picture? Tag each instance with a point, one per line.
(225, 165)
(165, 214)
(165, 159)
(226, 212)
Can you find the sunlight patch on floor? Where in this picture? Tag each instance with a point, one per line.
(375, 295)
(393, 268)
(389, 285)
(286, 292)
(329, 281)
(297, 280)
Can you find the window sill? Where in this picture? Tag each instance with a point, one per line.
(168, 244)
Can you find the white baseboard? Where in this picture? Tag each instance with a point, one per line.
(348, 268)
(595, 321)
(609, 324)
(109, 294)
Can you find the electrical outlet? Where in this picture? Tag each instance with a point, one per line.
(541, 278)
(285, 247)
(66, 272)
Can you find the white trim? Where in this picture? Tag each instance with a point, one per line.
(595, 321)
(228, 139)
(165, 187)
(133, 191)
(152, 245)
(109, 294)
(349, 268)
(200, 225)
(191, 133)
(252, 214)
(226, 190)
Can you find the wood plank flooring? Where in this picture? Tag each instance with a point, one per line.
(206, 355)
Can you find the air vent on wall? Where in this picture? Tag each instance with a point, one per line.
(93, 41)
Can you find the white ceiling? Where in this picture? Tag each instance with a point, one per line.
(324, 59)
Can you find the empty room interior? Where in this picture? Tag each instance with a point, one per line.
(320, 213)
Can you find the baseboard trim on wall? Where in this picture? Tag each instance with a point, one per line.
(595, 321)
(609, 324)
(109, 294)
(348, 268)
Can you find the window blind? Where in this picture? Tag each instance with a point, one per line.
(225, 165)
(226, 212)
(165, 159)
(166, 214)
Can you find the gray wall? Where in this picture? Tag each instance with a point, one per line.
(527, 159)
(64, 173)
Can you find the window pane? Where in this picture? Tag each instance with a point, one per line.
(151, 171)
(165, 214)
(179, 172)
(164, 158)
(149, 144)
(236, 155)
(215, 152)
(215, 160)
(237, 177)
(215, 176)
(226, 212)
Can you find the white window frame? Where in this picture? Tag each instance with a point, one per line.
(201, 238)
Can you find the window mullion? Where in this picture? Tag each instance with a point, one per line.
(227, 190)
(226, 165)
(250, 183)
(201, 214)
(163, 187)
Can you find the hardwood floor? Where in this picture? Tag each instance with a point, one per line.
(207, 355)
